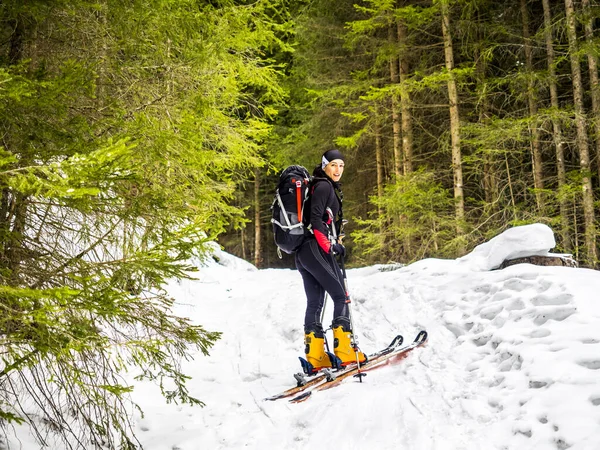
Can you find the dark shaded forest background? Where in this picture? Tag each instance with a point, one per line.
(459, 119)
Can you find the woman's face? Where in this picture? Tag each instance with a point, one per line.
(335, 169)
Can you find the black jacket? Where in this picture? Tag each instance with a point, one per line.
(324, 207)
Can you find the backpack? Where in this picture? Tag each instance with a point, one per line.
(288, 208)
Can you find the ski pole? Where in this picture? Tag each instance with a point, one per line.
(359, 373)
(322, 318)
(323, 309)
(335, 239)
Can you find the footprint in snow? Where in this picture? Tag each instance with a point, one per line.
(516, 305)
(502, 295)
(539, 333)
(517, 284)
(592, 365)
(557, 314)
(491, 312)
(544, 300)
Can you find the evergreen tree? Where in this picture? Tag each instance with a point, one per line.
(125, 128)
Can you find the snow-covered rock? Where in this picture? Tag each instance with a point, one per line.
(526, 240)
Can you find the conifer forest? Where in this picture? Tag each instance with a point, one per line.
(135, 133)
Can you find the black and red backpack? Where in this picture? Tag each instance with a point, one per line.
(288, 208)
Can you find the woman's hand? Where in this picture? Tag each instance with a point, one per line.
(338, 249)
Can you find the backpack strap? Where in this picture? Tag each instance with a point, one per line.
(311, 187)
(285, 216)
(299, 199)
(340, 197)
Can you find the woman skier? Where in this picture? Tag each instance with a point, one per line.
(315, 260)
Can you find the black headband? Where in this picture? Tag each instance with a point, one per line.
(329, 156)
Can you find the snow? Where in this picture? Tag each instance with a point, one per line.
(512, 360)
(527, 240)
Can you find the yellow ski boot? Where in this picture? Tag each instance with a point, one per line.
(315, 351)
(342, 346)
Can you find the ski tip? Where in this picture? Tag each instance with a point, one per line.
(397, 342)
(302, 397)
(421, 337)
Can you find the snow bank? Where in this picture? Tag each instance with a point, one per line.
(226, 259)
(527, 240)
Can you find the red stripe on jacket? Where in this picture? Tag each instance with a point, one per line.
(322, 241)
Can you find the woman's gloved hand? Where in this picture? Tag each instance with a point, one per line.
(338, 249)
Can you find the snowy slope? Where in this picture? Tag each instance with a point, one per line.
(512, 361)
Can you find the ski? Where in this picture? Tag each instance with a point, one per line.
(391, 357)
(330, 374)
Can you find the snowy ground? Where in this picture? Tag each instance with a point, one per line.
(512, 361)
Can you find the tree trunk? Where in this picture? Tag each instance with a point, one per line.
(407, 133)
(582, 138)
(257, 227)
(594, 85)
(14, 251)
(536, 152)
(454, 121)
(379, 161)
(489, 177)
(395, 114)
(101, 82)
(557, 130)
(243, 241)
(169, 75)
(16, 42)
(14, 205)
(490, 187)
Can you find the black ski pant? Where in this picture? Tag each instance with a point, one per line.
(321, 273)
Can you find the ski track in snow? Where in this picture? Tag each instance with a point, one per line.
(512, 361)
